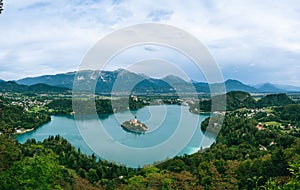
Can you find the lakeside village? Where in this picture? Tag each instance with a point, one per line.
(38, 103)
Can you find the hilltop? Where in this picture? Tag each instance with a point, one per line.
(12, 86)
(238, 99)
(140, 83)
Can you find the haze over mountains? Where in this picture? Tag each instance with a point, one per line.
(139, 83)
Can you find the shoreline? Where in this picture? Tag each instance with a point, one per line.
(24, 131)
(72, 115)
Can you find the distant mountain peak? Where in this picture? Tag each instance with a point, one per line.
(106, 80)
(288, 88)
(235, 85)
(233, 80)
(12, 86)
(174, 79)
(269, 87)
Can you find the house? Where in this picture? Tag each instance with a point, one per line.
(260, 127)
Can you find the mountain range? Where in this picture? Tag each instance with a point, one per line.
(123, 81)
(12, 86)
(267, 87)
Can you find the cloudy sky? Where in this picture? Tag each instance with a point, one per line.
(252, 41)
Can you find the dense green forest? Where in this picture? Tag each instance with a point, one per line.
(280, 99)
(243, 157)
(238, 99)
(14, 116)
(234, 100)
(103, 106)
(107, 106)
(12, 86)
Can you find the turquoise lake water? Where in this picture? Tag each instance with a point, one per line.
(173, 131)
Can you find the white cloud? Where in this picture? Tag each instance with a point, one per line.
(160, 14)
(53, 35)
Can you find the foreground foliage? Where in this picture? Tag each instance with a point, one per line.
(243, 157)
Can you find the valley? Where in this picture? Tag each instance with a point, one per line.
(259, 131)
(149, 95)
(253, 143)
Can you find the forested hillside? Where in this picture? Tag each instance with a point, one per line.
(274, 100)
(255, 149)
(14, 116)
(239, 99)
(12, 86)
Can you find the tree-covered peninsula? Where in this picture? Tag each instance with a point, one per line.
(257, 148)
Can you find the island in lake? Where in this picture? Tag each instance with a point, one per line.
(134, 126)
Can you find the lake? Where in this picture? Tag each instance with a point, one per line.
(173, 131)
